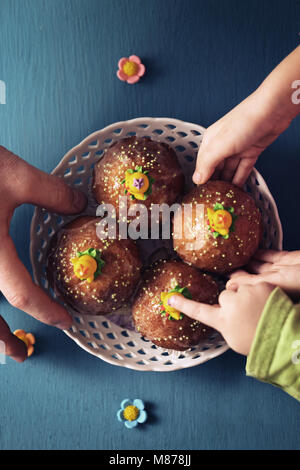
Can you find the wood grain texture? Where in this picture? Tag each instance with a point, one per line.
(59, 59)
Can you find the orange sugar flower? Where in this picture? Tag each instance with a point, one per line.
(131, 69)
(28, 339)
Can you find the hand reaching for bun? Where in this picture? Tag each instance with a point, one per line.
(235, 317)
(281, 268)
(231, 145)
(23, 183)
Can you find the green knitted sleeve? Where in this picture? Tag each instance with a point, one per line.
(275, 351)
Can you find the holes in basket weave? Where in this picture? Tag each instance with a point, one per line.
(130, 355)
(80, 170)
(153, 359)
(193, 144)
(180, 148)
(73, 160)
(118, 131)
(111, 335)
(105, 324)
(131, 344)
(170, 126)
(59, 220)
(158, 131)
(97, 336)
(119, 346)
(83, 333)
(85, 155)
(99, 153)
(67, 172)
(125, 333)
(143, 126)
(108, 141)
(141, 351)
(46, 218)
(93, 144)
(194, 132)
(189, 158)
(131, 134)
(117, 356)
(182, 134)
(78, 182)
(170, 139)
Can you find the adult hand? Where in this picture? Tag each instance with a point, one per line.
(22, 183)
(236, 317)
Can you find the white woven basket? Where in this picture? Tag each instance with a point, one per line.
(99, 335)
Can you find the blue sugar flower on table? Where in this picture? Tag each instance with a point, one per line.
(132, 413)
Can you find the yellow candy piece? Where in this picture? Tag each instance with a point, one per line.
(220, 220)
(27, 338)
(130, 68)
(173, 312)
(131, 413)
(137, 184)
(85, 267)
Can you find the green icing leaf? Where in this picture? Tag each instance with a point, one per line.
(182, 290)
(130, 170)
(218, 207)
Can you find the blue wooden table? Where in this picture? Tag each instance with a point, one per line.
(58, 59)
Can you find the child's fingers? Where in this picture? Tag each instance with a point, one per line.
(238, 273)
(17, 286)
(272, 277)
(230, 167)
(10, 344)
(279, 257)
(209, 157)
(218, 171)
(243, 171)
(240, 278)
(207, 314)
(258, 267)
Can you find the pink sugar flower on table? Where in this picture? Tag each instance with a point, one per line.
(131, 69)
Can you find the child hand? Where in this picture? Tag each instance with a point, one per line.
(236, 317)
(281, 268)
(231, 146)
(22, 183)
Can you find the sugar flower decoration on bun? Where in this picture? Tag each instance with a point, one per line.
(131, 69)
(137, 183)
(88, 264)
(221, 220)
(170, 312)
